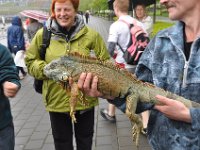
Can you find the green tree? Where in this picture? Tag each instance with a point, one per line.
(84, 5)
(94, 5)
(98, 5)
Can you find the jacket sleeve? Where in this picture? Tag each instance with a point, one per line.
(111, 48)
(145, 65)
(33, 61)
(8, 70)
(8, 40)
(144, 73)
(195, 115)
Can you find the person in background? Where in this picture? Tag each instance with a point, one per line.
(119, 37)
(16, 40)
(10, 85)
(69, 34)
(87, 16)
(173, 64)
(32, 28)
(81, 13)
(26, 23)
(141, 15)
(3, 23)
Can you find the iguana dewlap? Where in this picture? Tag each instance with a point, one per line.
(112, 81)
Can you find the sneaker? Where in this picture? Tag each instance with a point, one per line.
(104, 114)
(21, 77)
(144, 131)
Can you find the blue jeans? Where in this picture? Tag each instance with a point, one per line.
(7, 137)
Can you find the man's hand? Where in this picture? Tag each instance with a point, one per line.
(10, 89)
(173, 109)
(88, 84)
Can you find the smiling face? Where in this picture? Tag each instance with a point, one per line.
(65, 14)
(179, 9)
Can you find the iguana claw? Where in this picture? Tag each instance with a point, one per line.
(72, 115)
(136, 130)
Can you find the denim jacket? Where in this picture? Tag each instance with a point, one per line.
(164, 64)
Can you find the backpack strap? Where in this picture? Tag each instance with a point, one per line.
(129, 26)
(46, 37)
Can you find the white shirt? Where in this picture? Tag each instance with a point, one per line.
(148, 24)
(119, 32)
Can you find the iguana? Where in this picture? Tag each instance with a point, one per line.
(112, 81)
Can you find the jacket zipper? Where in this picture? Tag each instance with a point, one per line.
(186, 65)
(185, 74)
(68, 47)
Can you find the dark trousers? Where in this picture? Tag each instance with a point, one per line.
(62, 130)
(7, 138)
(87, 19)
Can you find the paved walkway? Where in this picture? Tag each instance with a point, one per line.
(32, 125)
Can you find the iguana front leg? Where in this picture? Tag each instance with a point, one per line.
(71, 90)
(131, 104)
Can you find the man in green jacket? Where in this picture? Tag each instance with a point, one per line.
(69, 34)
(9, 86)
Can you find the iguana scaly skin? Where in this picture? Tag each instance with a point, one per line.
(112, 81)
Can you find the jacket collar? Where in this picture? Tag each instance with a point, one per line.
(175, 34)
(54, 27)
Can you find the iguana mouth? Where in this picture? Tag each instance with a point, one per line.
(65, 82)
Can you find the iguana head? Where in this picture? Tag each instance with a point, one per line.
(60, 69)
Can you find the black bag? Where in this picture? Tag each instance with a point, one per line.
(138, 42)
(37, 84)
(45, 43)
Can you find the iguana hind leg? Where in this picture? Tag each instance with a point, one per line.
(131, 104)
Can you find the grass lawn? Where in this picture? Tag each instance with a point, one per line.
(159, 26)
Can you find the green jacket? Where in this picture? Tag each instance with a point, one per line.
(81, 39)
